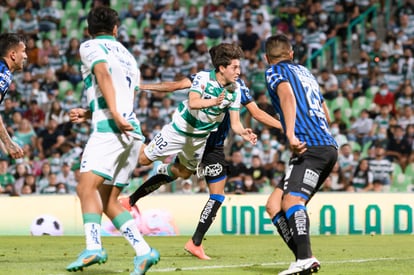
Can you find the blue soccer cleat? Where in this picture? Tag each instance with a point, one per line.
(144, 262)
(87, 258)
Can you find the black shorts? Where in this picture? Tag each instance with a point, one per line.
(214, 164)
(308, 172)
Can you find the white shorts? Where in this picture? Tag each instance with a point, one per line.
(112, 157)
(169, 142)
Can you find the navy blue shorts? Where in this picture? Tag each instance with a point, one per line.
(307, 173)
(214, 165)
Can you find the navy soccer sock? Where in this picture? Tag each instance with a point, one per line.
(282, 226)
(149, 186)
(207, 217)
(298, 221)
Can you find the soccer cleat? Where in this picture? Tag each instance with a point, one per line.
(125, 203)
(87, 258)
(303, 267)
(197, 251)
(144, 262)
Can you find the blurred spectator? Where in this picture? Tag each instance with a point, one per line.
(20, 172)
(58, 63)
(50, 139)
(24, 87)
(328, 83)
(39, 69)
(11, 22)
(69, 101)
(48, 17)
(277, 173)
(249, 40)
(247, 152)
(154, 118)
(237, 169)
(62, 41)
(398, 149)
(35, 115)
(393, 78)
(249, 185)
(384, 97)
(336, 180)
(201, 186)
(381, 167)
(56, 112)
(381, 120)
(43, 178)
(340, 138)
(405, 117)
(51, 188)
(186, 187)
(362, 181)
(406, 97)
(7, 112)
(167, 71)
(28, 25)
(74, 62)
(338, 21)
(361, 128)
(32, 52)
(300, 49)
(67, 177)
(257, 173)
(136, 9)
(25, 133)
(314, 38)
(346, 163)
(5, 176)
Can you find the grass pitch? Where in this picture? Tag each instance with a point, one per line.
(230, 255)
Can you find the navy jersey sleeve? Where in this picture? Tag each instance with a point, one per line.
(246, 97)
(5, 80)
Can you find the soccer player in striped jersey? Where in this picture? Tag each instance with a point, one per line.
(213, 165)
(211, 96)
(111, 78)
(296, 97)
(12, 58)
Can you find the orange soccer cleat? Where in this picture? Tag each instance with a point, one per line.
(197, 251)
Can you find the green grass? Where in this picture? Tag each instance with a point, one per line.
(230, 255)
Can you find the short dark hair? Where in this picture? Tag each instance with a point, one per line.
(9, 41)
(102, 20)
(278, 46)
(224, 53)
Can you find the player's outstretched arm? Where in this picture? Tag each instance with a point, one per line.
(246, 133)
(262, 116)
(167, 87)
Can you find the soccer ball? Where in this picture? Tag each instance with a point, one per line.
(46, 225)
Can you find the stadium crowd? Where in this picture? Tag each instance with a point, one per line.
(370, 95)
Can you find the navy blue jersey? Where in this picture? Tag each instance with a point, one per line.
(6, 78)
(216, 138)
(311, 124)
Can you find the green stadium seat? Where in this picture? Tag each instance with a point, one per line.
(360, 103)
(371, 91)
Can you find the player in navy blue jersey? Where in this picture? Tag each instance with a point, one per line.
(12, 58)
(296, 97)
(213, 166)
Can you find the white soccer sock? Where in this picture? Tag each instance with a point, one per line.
(93, 236)
(131, 233)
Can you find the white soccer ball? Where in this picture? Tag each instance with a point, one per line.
(46, 225)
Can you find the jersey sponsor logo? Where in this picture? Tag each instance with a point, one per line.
(310, 178)
(213, 170)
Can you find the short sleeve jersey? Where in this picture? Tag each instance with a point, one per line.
(199, 123)
(6, 78)
(125, 76)
(311, 125)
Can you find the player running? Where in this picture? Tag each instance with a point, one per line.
(12, 58)
(296, 97)
(111, 79)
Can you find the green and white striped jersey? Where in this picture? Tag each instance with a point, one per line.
(199, 123)
(125, 76)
